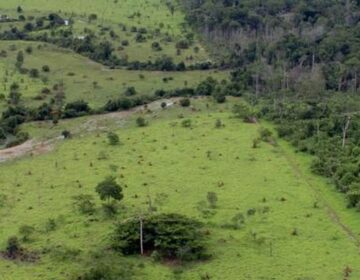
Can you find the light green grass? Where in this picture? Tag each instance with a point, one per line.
(153, 15)
(181, 170)
(110, 83)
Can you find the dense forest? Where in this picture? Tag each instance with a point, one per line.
(284, 44)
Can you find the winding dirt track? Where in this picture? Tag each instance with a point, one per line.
(35, 147)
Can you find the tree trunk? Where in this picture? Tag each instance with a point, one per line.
(345, 130)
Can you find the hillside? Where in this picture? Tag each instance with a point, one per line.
(164, 139)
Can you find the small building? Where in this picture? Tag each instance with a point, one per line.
(66, 22)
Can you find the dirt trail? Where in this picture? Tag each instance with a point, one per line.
(34, 147)
(29, 147)
(331, 212)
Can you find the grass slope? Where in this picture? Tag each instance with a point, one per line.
(162, 25)
(165, 160)
(78, 75)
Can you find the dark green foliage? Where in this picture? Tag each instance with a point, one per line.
(141, 122)
(187, 123)
(13, 247)
(46, 68)
(109, 189)
(34, 73)
(185, 102)
(66, 134)
(84, 204)
(113, 138)
(318, 128)
(172, 236)
(130, 91)
(76, 109)
(242, 111)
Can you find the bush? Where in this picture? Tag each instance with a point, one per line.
(186, 123)
(172, 236)
(34, 73)
(130, 91)
(113, 138)
(66, 134)
(141, 122)
(76, 109)
(46, 68)
(185, 102)
(84, 204)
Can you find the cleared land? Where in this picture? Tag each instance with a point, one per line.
(154, 161)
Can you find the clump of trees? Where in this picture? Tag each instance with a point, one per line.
(169, 236)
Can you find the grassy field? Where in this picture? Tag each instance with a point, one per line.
(78, 75)
(154, 161)
(163, 25)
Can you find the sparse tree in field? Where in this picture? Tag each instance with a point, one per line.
(212, 199)
(163, 105)
(113, 139)
(109, 190)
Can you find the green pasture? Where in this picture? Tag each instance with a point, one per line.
(83, 78)
(287, 237)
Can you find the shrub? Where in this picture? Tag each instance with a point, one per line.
(13, 247)
(76, 109)
(124, 43)
(130, 91)
(34, 73)
(141, 122)
(113, 138)
(185, 102)
(46, 68)
(66, 134)
(156, 46)
(187, 123)
(84, 204)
